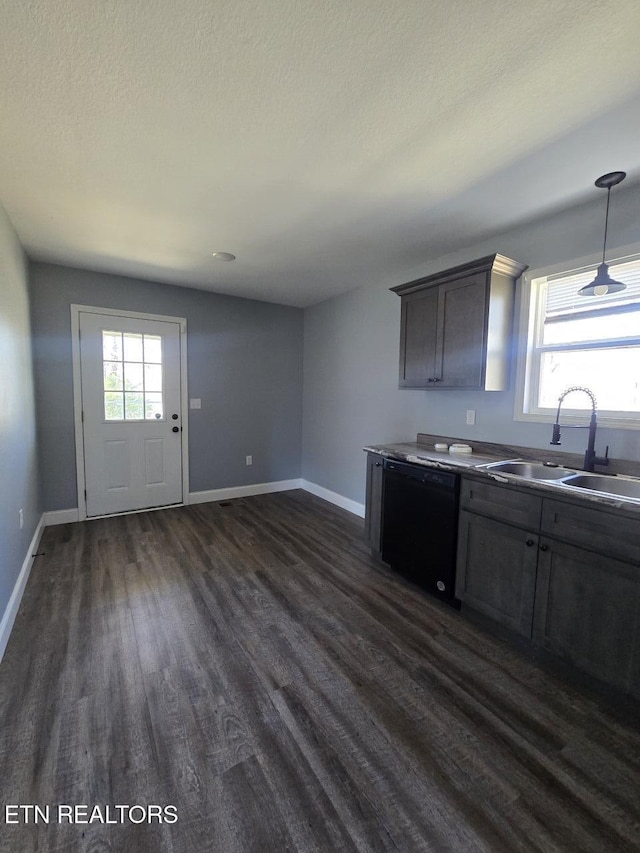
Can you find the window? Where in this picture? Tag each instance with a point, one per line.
(132, 371)
(582, 340)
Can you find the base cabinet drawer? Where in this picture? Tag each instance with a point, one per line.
(595, 528)
(501, 502)
(496, 570)
(587, 610)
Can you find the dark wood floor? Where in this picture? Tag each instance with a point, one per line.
(252, 665)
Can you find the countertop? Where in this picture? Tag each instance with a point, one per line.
(472, 464)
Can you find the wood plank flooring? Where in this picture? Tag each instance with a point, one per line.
(250, 664)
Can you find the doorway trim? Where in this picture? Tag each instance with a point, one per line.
(76, 310)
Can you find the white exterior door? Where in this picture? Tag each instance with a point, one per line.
(131, 414)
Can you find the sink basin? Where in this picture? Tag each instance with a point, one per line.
(531, 470)
(607, 485)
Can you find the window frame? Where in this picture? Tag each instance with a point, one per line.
(529, 349)
(124, 361)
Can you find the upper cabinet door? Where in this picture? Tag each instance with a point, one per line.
(460, 349)
(418, 339)
(456, 326)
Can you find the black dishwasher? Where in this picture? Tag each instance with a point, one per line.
(420, 526)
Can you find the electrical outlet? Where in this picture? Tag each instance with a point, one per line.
(21, 518)
(471, 417)
(249, 460)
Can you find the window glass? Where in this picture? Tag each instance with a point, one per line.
(153, 377)
(605, 327)
(592, 341)
(132, 376)
(132, 347)
(152, 349)
(113, 406)
(613, 375)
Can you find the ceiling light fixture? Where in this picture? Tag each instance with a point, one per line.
(603, 283)
(224, 256)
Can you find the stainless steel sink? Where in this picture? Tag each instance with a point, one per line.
(531, 470)
(606, 485)
(628, 488)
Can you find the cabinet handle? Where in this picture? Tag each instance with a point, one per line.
(544, 547)
(378, 464)
(437, 379)
(529, 543)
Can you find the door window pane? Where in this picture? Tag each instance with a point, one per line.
(153, 377)
(152, 349)
(112, 346)
(133, 380)
(125, 370)
(112, 376)
(153, 407)
(113, 406)
(132, 347)
(133, 406)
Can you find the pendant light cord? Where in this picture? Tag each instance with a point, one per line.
(606, 225)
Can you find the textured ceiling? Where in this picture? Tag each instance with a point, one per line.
(328, 144)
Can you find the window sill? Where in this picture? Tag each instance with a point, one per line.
(604, 421)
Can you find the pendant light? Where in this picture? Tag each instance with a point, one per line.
(603, 283)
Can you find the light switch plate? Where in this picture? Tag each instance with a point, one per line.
(195, 403)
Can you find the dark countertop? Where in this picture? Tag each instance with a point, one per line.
(422, 454)
(471, 464)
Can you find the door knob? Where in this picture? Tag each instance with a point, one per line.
(175, 429)
(174, 417)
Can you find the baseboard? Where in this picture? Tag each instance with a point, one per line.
(13, 604)
(243, 491)
(67, 516)
(334, 498)
(61, 516)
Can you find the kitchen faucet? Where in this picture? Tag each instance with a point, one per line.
(590, 458)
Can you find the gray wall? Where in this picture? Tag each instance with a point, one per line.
(351, 396)
(244, 362)
(18, 457)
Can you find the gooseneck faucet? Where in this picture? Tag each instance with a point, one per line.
(590, 458)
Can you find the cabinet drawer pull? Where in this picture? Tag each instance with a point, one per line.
(529, 543)
(378, 464)
(544, 547)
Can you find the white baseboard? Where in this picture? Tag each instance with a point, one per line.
(67, 516)
(243, 491)
(61, 516)
(13, 604)
(334, 498)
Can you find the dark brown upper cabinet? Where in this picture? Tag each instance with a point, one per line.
(455, 329)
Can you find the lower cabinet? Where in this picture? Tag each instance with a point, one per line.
(373, 503)
(580, 603)
(587, 610)
(496, 570)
